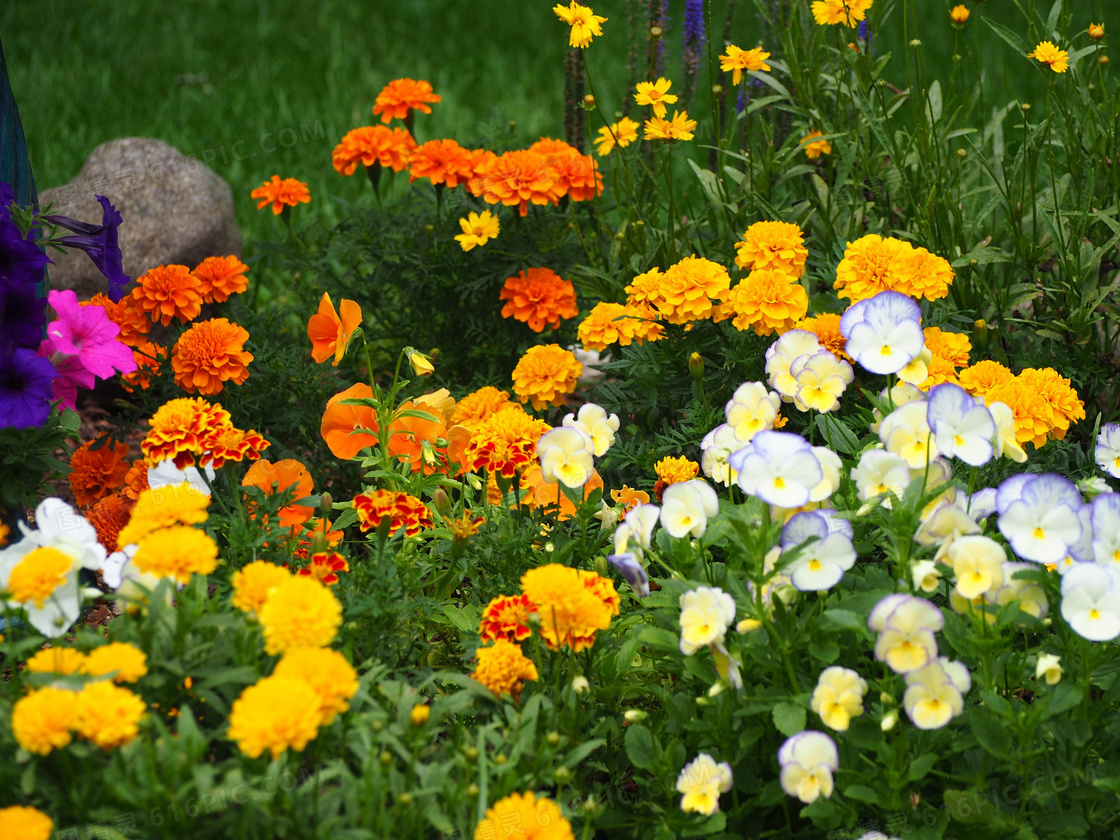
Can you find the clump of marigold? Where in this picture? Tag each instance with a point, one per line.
(281, 194)
(517, 179)
(20, 822)
(826, 327)
(507, 617)
(399, 98)
(97, 468)
(333, 679)
(539, 817)
(540, 298)
(949, 351)
(502, 668)
(773, 245)
(577, 173)
(136, 481)
(175, 504)
(691, 290)
(42, 720)
(478, 406)
(275, 714)
(373, 145)
(874, 264)
(401, 509)
(573, 604)
(616, 323)
(545, 374)
(167, 292)
(108, 715)
(210, 354)
(254, 582)
(178, 552)
(918, 273)
(57, 660)
(299, 612)
(108, 516)
(127, 314)
(149, 357)
(673, 470)
(644, 291)
(127, 663)
(441, 162)
(1066, 408)
(982, 377)
(1034, 416)
(179, 430)
(768, 301)
(232, 444)
(220, 278)
(505, 443)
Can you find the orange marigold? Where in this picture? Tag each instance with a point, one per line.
(573, 604)
(865, 269)
(348, 429)
(288, 474)
(952, 347)
(768, 301)
(441, 162)
(209, 354)
(776, 245)
(545, 374)
(403, 511)
(169, 291)
(221, 277)
(180, 430)
(97, 468)
(615, 323)
(108, 516)
(672, 470)
(540, 298)
(502, 667)
(136, 480)
(918, 273)
(1067, 408)
(149, 358)
(826, 327)
(690, 289)
(645, 290)
(127, 314)
(519, 178)
(325, 566)
(402, 96)
(369, 145)
(507, 617)
(478, 406)
(228, 444)
(504, 443)
(578, 174)
(281, 194)
(983, 376)
(1034, 417)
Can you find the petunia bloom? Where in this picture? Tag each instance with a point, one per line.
(87, 332)
(100, 242)
(25, 389)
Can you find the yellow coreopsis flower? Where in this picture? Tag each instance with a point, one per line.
(656, 95)
(848, 12)
(1049, 53)
(622, 133)
(478, 229)
(1096, 31)
(959, 14)
(813, 147)
(736, 60)
(584, 22)
(680, 127)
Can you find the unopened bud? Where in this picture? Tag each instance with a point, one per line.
(590, 805)
(1096, 31)
(500, 758)
(562, 775)
(553, 738)
(696, 367)
(635, 715)
(386, 758)
(442, 501)
(886, 699)
(601, 566)
(703, 701)
(471, 753)
(717, 90)
(962, 153)
(326, 504)
(915, 43)
(889, 720)
(472, 789)
(405, 798)
(589, 102)
(717, 689)
(580, 685)
(1025, 106)
(1103, 60)
(655, 32)
(420, 363)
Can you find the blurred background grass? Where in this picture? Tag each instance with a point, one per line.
(256, 87)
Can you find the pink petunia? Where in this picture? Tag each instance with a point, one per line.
(87, 333)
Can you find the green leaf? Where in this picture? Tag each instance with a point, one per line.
(968, 806)
(862, 793)
(640, 747)
(659, 639)
(838, 436)
(824, 651)
(715, 823)
(1010, 36)
(837, 619)
(920, 766)
(1064, 697)
(789, 718)
(990, 730)
(581, 752)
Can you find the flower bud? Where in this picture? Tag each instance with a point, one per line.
(377, 726)
(1096, 31)
(562, 775)
(1093, 486)
(748, 625)
(915, 43)
(405, 798)
(590, 805)
(601, 566)
(326, 504)
(500, 758)
(1103, 61)
(889, 720)
(696, 367)
(717, 689)
(635, 715)
(580, 684)
(589, 102)
(471, 753)
(717, 90)
(386, 758)
(442, 502)
(420, 714)
(886, 699)
(553, 738)
(472, 789)
(703, 701)
(655, 32)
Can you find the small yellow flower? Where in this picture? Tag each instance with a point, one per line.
(813, 147)
(274, 714)
(42, 720)
(478, 229)
(420, 714)
(108, 715)
(680, 127)
(959, 14)
(625, 132)
(126, 662)
(1096, 31)
(24, 823)
(584, 22)
(1048, 53)
(421, 364)
(736, 60)
(656, 95)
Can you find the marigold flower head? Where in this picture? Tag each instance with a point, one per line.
(504, 443)
(149, 357)
(136, 481)
(333, 678)
(981, 377)
(479, 405)
(950, 346)
(370, 145)
(918, 273)
(127, 663)
(176, 504)
(220, 278)
(402, 96)
(847, 12)
(507, 617)
(402, 509)
(571, 604)
(690, 290)
(275, 714)
(866, 268)
(288, 474)
(287, 192)
(228, 444)
(96, 472)
(629, 498)
(736, 60)
(478, 229)
(178, 551)
(615, 323)
(180, 430)
(253, 583)
(324, 566)
(441, 162)
(577, 175)
(502, 667)
(813, 147)
(540, 298)
(584, 22)
(621, 134)
(545, 374)
(169, 291)
(1048, 53)
(768, 301)
(299, 612)
(1034, 416)
(1063, 399)
(655, 95)
(680, 127)
(673, 470)
(775, 245)
(20, 822)
(539, 818)
(826, 327)
(57, 660)
(959, 14)
(210, 354)
(42, 720)
(517, 179)
(108, 715)
(127, 314)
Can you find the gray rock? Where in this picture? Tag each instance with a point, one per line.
(174, 209)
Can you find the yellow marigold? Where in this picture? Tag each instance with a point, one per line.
(108, 715)
(813, 147)
(505, 443)
(918, 273)
(616, 323)
(178, 552)
(1048, 53)
(524, 817)
(584, 22)
(280, 193)
(299, 612)
(847, 12)
(621, 134)
(42, 720)
(209, 354)
(1034, 417)
(373, 145)
(179, 430)
(19, 822)
(403, 510)
(175, 504)
(478, 406)
(680, 127)
(644, 290)
(1063, 399)
(517, 179)
(275, 714)
(253, 583)
(865, 269)
(96, 472)
(775, 245)
(127, 314)
(333, 679)
(126, 662)
(220, 278)
(570, 610)
(768, 301)
(673, 470)
(441, 162)
(540, 298)
(952, 347)
(603, 589)
(736, 60)
(502, 667)
(168, 291)
(545, 374)
(478, 229)
(983, 376)
(826, 327)
(402, 96)
(691, 288)
(57, 660)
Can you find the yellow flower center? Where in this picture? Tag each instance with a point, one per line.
(814, 565)
(885, 350)
(779, 483)
(1094, 614)
(1039, 534)
(38, 575)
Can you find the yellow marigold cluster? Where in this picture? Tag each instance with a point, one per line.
(524, 816)
(164, 507)
(127, 663)
(177, 552)
(1043, 402)
(773, 245)
(253, 584)
(616, 323)
(42, 720)
(275, 714)
(328, 673)
(540, 298)
(768, 301)
(403, 511)
(691, 290)
(545, 374)
(504, 443)
(982, 377)
(478, 406)
(20, 822)
(644, 291)
(672, 470)
(299, 612)
(101, 712)
(57, 660)
(502, 668)
(874, 264)
(826, 328)
(108, 715)
(190, 430)
(949, 351)
(572, 604)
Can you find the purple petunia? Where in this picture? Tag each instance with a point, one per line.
(22, 315)
(100, 242)
(25, 389)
